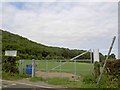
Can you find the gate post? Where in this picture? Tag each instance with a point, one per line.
(46, 68)
(20, 67)
(33, 67)
(75, 67)
(60, 69)
(91, 60)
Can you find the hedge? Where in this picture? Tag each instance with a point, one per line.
(10, 64)
(113, 67)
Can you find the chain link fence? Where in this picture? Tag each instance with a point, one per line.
(57, 68)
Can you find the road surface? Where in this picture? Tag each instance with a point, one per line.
(12, 85)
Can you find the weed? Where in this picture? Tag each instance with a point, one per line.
(7, 76)
(36, 79)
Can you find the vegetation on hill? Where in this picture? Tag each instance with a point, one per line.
(28, 49)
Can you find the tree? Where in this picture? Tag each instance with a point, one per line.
(28, 49)
(112, 56)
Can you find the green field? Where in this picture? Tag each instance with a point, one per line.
(69, 67)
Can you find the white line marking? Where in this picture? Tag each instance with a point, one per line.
(28, 84)
(5, 86)
(13, 84)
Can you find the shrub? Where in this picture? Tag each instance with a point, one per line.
(89, 79)
(7, 76)
(113, 68)
(96, 69)
(10, 64)
(105, 82)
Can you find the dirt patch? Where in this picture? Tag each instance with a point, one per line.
(56, 74)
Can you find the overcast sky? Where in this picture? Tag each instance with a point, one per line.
(74, 25)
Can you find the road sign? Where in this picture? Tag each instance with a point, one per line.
(11, 53)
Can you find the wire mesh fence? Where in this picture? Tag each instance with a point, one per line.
(59, 68)
(23, 64)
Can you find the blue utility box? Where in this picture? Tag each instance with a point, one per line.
(28, 69)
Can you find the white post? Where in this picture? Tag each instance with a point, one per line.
(33, 67)
(96, 55)
(20, 67)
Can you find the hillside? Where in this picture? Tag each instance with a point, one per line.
(28, 49)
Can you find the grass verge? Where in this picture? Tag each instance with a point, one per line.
(65, 82)
(7, 76)
(85, 82)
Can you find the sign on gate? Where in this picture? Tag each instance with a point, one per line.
(11, 53)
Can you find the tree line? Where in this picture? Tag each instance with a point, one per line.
(28, 49)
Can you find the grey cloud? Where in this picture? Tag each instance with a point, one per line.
(85, 25)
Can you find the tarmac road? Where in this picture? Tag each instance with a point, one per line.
(11, 85)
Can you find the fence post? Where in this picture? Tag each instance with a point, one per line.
(20, 67)
(60, 69)
(46, 68)
(91, 55)
(91, 60)
(75, 70)
(75, 66)
(33, 67)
